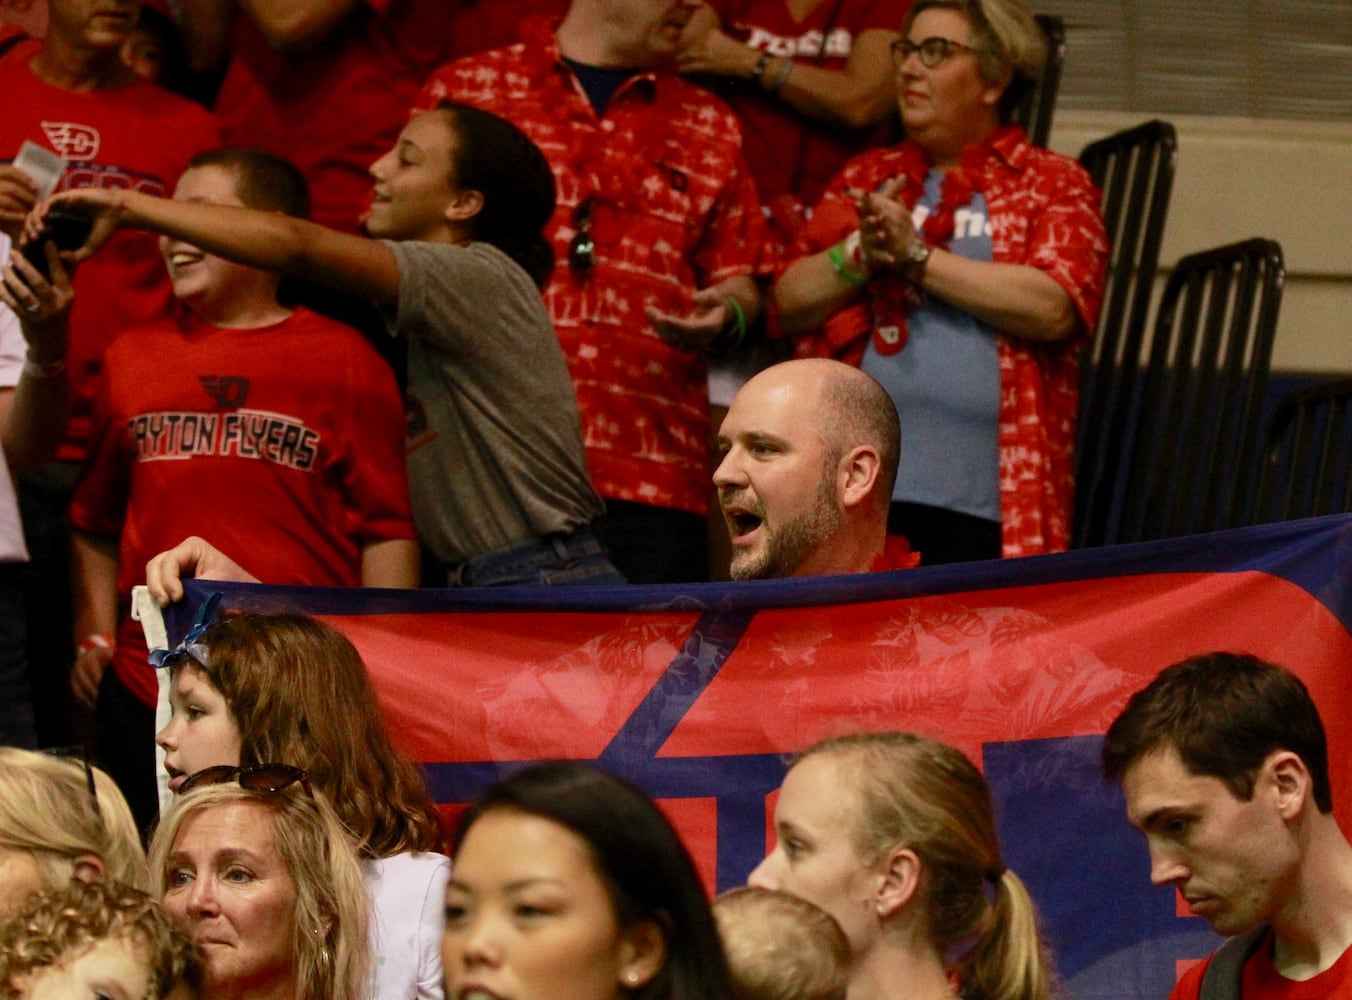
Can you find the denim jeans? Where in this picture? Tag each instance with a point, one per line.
(558, 560)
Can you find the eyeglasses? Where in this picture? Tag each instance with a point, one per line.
(582, 248)
(261, 778)
(932, 50)
(78, 755)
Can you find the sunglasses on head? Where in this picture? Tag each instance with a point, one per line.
(260, 778)
(78, 755)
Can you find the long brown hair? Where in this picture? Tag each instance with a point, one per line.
(300, 695)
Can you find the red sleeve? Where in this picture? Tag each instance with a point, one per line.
(1068, 242)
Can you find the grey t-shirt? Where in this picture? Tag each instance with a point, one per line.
(495, 451)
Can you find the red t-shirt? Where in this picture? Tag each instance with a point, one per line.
(284, 446)
(139, 137)
(1261, 981)
(336, 108)
(788, 152)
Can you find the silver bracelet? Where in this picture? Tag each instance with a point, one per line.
(783, 75)
(49, 370)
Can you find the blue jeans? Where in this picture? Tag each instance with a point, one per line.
(558, 560)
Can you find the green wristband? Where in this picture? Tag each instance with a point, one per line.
(734, 333)
(837, 257)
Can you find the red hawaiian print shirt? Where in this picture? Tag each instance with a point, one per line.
(1044, 212)
(672, 209)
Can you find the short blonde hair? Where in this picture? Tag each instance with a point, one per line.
(47, 810)
(781, 947)
(59, 924)
(1006, 38)
(331, 946)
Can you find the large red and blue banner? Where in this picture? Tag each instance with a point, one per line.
(699, 694)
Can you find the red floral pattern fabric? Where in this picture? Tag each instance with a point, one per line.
(1044, 213)
(674, 209)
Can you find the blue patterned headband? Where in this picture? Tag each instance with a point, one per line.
(190, 648)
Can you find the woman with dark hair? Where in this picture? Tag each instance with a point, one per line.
(498, 477)
(893, 835)
(963, 269)
(261, 688)
(569, 884)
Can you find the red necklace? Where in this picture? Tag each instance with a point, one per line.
(892, 296)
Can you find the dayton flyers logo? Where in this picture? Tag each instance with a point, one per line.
(229, 391)
(74, 142)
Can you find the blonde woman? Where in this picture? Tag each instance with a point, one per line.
(60, 820)
(265, 877)
(893, 835)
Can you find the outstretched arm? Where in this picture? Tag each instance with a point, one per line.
(266, 240)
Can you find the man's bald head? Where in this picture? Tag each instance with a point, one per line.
(853, 410)
(810, 455)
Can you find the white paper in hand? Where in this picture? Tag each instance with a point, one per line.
(44, 166)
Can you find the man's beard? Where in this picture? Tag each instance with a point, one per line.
(790, 545)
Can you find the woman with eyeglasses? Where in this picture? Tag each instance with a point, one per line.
(963, 269)
(62, 820)
(497, 474)
(254, 689)
(569, 884)
(893, 835)
(267, 880)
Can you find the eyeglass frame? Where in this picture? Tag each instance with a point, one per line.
(224, 774)
(903, 48)
(78, 755)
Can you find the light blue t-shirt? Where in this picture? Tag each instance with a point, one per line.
(946, 386)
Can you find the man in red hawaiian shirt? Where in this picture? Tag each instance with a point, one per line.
(658, 237)
(809, 459)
